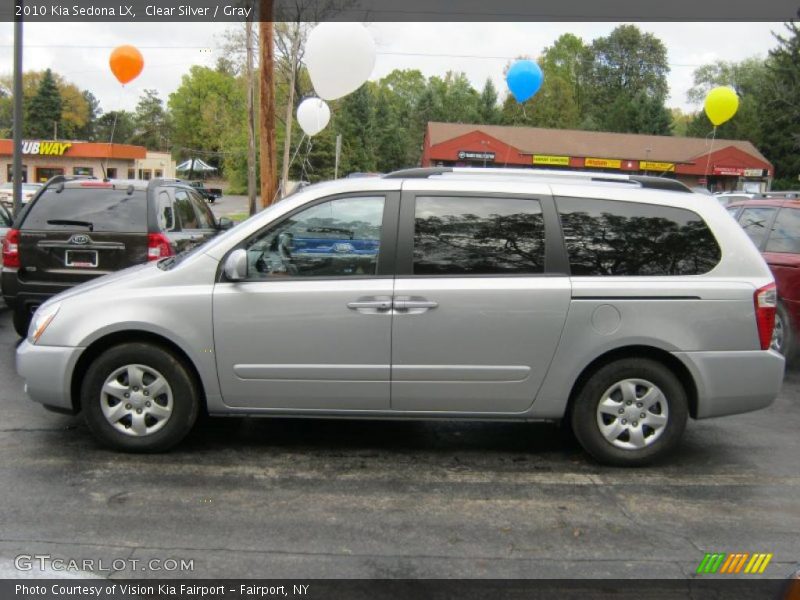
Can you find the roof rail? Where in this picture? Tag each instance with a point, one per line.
(645, 181)
(65, 178)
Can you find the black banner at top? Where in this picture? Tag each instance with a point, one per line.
(396, 10)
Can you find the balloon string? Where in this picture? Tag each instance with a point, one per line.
(710, 150)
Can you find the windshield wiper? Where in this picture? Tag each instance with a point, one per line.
(69, 222)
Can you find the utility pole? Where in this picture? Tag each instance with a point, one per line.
(266, 136)
(17, 185)
(251, 122)
(295, 50)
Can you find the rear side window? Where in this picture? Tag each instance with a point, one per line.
(755, 222)
(785, 235)
(205, 218)
(478, 236)
(103, 209)
(607, 237)
(185, 210)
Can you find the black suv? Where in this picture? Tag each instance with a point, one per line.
(76, 229)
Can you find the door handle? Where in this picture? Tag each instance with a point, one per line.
(414, 304)
(371, 304)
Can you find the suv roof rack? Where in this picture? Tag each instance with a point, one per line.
(645, 181)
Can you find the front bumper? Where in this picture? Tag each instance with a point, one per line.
(729, 383)
(47, 371)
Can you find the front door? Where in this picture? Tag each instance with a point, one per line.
(478, 311)
(310, 328)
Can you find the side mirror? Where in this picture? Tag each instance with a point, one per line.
(235, 268)
(224, 223)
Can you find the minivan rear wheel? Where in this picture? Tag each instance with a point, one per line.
(139, 397)
(630, 412)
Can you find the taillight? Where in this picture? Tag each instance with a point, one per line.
(765, 300)
(11, 249)
(158, 246)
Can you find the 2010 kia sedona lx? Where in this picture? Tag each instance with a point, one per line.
(623, 304)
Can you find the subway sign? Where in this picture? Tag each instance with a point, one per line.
(42, 148)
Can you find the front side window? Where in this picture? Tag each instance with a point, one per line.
(607, 237)
(785, 235)
(478, 236)
(337, 238)
(754, 221)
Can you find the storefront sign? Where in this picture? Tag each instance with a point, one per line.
(740, 172)
(470, 155)
(602, 163)
(546, 159)
(661, 167)
(45, 148)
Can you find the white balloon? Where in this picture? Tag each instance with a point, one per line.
(340, 58)
(313, 115)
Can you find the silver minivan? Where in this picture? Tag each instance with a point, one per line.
(621, 304)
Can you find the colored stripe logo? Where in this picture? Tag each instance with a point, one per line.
(734, 563)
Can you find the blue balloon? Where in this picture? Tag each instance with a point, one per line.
(524, 79)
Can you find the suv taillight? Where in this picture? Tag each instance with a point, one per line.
(765, 300)
(158, 246)
(11, 249)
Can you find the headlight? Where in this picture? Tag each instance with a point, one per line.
(41, 319)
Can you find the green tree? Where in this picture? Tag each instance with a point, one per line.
(488, 111)
(781, 117)
(207, 113)
(564, 60)
(93, 111)
(43, 112)
(355, 121)
(151, 122)
(749, 79)
(117, 126)
(625, 79)
(554, 106)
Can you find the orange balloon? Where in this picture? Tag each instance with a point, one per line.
(126, 63)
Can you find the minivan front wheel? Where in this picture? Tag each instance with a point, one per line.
(139, 397)
(630, 412)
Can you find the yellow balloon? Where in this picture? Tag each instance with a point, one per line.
(721, 104)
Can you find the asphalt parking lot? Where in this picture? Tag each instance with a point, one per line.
(335, 498)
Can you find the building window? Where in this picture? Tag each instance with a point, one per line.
(111, 172)
(131, 173)
(82, 171)
(10, 173)
(45, 173)
(159, 173)
(145, 174)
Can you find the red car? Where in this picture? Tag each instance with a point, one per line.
(773, 223)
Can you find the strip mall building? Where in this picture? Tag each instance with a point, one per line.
(728, 165)
(43, 159)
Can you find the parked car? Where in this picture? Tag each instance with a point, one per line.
(5, 225)
(621, 304)
(725, 198)
(80, 229)
(774, 226)
(210, 194)
(28, 191)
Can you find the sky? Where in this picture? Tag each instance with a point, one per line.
(79, 51)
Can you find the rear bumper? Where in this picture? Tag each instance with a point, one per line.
(47, 371)
(729, 383)
(30, 293)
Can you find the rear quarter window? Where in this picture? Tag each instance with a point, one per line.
(608, 237)
(105, 209)
(785, 235)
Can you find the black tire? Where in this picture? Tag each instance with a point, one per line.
(585, 412)
(786, 345)
(185, 397)
(22, 320)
